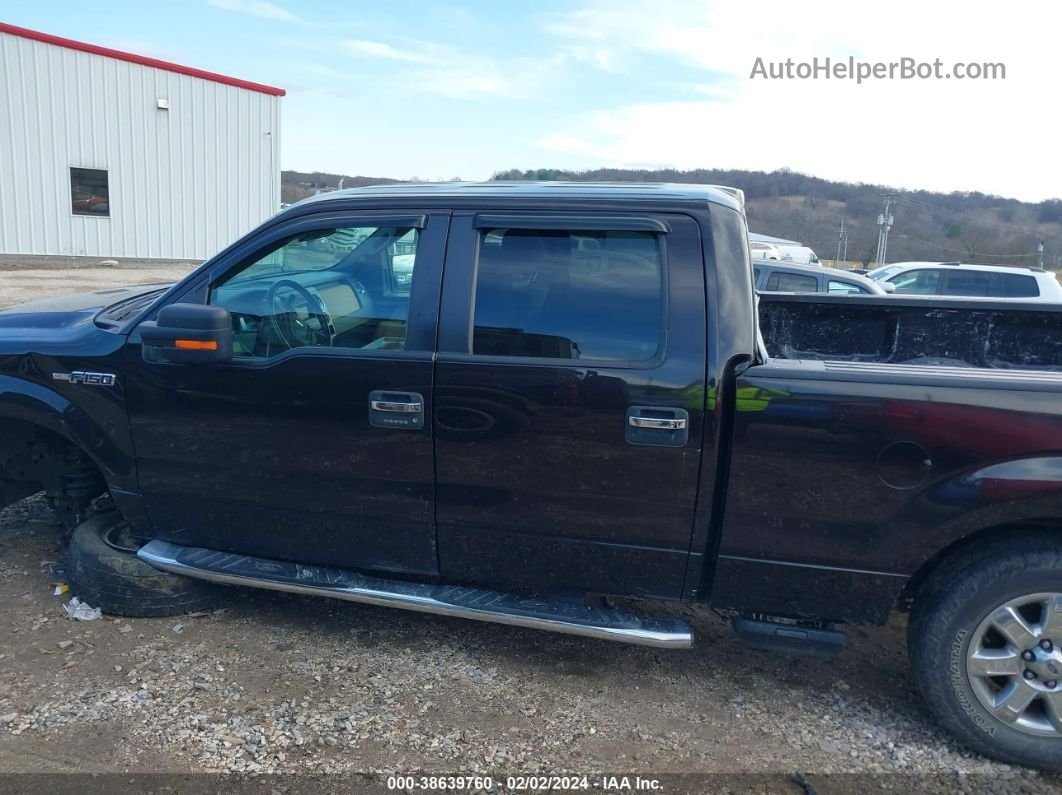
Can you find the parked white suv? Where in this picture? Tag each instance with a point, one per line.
(975, 281)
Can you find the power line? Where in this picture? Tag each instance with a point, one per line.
(967, 251)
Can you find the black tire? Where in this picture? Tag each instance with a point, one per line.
(951, 612)
(110, 576)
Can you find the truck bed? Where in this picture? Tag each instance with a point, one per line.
(931, 331)
(879, 432)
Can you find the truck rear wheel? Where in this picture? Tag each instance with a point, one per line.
(105, 572)
(985, 641)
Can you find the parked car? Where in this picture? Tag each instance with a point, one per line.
(785, 278)
(570, 401)
(975, 281)
(764, 251)
(798, 255)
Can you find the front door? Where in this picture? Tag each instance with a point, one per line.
(569, 401)
(311, 444)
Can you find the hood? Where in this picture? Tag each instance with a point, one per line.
(55, 324)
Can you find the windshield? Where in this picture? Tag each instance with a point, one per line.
(878, 274)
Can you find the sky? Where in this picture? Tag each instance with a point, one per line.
(436, 90)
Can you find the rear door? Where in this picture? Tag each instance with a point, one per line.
(570, 396)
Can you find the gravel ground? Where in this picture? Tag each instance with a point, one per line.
(278, 683)
(272, 683)
(29, 283)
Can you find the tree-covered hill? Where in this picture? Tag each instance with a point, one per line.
(972, 227)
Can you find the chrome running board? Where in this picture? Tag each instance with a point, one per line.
(479, 604)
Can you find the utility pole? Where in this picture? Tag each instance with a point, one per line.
(1040, 251)
(884, 225)
(842, 237)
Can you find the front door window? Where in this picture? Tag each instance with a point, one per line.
(338, 288)
(919, 282)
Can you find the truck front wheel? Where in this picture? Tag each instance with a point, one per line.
(985, 641)
(105, 572)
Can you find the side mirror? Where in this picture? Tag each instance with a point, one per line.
(188, 334)
(888, 287)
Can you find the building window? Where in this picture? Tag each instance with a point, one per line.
(88, 192)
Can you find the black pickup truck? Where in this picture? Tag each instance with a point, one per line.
(520, 402)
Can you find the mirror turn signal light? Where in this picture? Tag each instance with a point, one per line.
(196, 345)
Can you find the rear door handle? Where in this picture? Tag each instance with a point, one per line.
(657, 426)
(396, 410)
(397, 406)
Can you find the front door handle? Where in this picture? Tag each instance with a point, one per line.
(397, 410)
(657, 423)
(657, 426)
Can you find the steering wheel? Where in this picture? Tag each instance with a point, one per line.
(302, 319)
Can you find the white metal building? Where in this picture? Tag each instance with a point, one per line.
(108, 154)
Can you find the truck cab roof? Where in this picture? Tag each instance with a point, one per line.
(599, 192)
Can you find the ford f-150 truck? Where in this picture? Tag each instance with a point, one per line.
(520, 402)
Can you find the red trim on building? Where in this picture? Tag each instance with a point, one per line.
(107, 52)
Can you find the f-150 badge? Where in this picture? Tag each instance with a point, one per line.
(85, 377)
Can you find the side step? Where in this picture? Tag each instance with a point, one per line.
(765, 635)
(570, 617)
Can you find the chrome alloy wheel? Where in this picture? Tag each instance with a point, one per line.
(1014, 663)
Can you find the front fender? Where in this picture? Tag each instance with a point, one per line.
(46, 408)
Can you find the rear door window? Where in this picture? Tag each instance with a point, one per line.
(783, 282)
(569, 294)
(976, 284)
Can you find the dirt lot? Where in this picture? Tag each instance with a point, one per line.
(19, 284)
(290, 684)
(276, 683)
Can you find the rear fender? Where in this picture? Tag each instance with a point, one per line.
(1007, 493)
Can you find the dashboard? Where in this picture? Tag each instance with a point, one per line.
(360, 318)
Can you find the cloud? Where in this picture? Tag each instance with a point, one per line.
(911, 144)
(314, 69)
(259, 8)
(938, 134)
(467, 81)
(379, 49)
(444, 70)
(602, 58)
